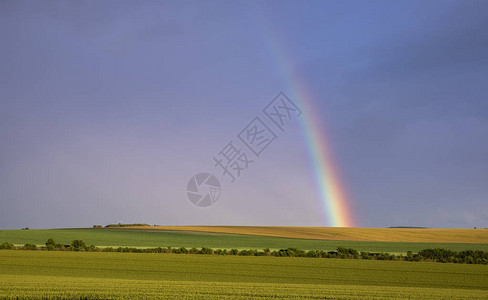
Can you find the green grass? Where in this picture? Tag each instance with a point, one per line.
(161, 238)
(44, 274)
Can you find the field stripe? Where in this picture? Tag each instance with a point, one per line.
(343, 234)
(38, 287)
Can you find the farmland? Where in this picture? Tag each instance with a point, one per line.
(178, 237)
(425, 235)
(104, 275)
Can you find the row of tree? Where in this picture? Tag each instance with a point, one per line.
(437, 254)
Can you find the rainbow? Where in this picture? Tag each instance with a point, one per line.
(331, 191)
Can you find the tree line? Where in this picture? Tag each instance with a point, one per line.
(432, 255)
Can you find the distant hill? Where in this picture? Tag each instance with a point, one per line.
(415, 227)
(127, 225)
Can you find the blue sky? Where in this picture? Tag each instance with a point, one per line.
(107, 108)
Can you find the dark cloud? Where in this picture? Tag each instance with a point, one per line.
(456, 40)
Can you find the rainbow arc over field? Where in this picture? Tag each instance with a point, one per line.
(330, 187)
(331, 190)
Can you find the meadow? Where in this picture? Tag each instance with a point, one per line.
(89, 275)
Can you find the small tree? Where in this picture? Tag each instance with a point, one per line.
(30, 247)
(7, 246)
(206, 250)
(78, 244)
(51, 241)
(183, 250)
(91, 248)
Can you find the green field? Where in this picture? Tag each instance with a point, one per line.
(44, 274)
(163, 238)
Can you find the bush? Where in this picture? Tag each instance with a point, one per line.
(220, 251)
(292, 252)
(78, 245)
(332, 254)
(247, 252)
(30, 247)
(206, 250)
(159, 250)
(7, 246)
(92, 248)
(384, 256)
(438, 254)
(181, 250)
(347, 252)
(312, 253)
(51, 241)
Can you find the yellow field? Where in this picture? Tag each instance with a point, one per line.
(347, 234)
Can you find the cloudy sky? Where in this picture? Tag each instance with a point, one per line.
(108, 108)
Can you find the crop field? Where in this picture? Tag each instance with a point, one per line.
(54, 274)
(425, 235)
(149, 237)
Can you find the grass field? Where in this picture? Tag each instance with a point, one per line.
(44, 274)
(176, 238)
